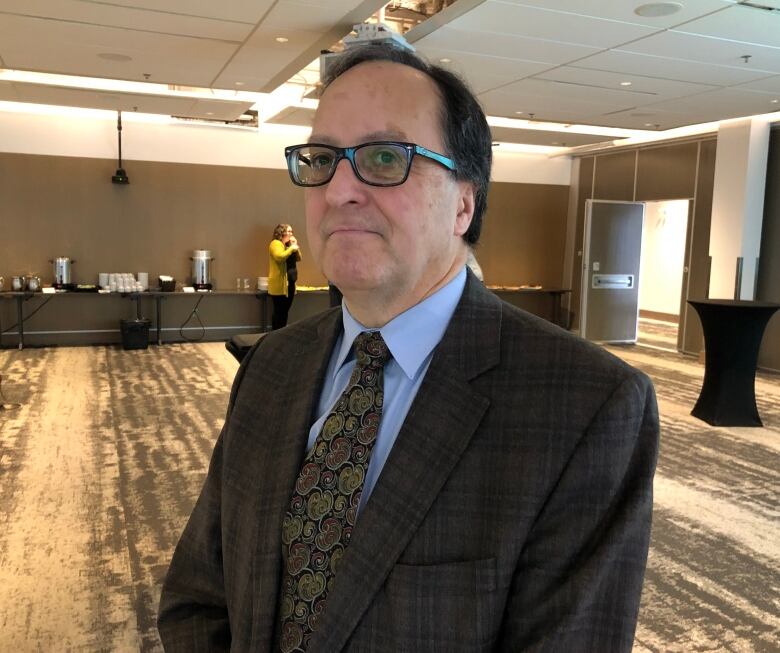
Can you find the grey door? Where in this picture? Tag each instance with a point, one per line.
(610, 292)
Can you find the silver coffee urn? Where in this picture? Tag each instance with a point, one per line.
(62, 272)
(202, 269)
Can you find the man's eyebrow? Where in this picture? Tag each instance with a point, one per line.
(316, 138)
(389, 135)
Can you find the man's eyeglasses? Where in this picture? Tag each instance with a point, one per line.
(381, 163)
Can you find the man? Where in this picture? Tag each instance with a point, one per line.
(485, 482)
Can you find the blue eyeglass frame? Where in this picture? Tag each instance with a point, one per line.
(348, 153)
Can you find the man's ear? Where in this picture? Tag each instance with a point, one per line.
(465, 207)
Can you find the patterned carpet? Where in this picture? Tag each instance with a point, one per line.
(655, 334)
(100, 466)
(713, 577)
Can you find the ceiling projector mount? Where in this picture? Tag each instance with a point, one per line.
(121, 176)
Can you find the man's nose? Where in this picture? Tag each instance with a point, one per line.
(344, 187)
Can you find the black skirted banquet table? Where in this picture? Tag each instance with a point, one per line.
(733, 330)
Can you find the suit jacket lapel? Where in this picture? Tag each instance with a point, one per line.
(437, 430)
(279, 459)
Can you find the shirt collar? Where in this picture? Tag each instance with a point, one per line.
(412, 335)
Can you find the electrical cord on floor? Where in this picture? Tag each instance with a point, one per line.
(194, 314)
(24, 319)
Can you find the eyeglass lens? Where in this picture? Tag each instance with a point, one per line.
(376, 163)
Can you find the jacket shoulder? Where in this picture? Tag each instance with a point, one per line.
(548, 343)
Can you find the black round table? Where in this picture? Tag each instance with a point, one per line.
(733, 330)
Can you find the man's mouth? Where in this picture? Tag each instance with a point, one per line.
(349, 231)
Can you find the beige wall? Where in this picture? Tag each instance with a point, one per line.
(524, 235)
(67, 206)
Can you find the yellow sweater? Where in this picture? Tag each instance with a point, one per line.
(277, 266)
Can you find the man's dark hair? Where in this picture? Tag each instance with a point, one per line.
(465, 130)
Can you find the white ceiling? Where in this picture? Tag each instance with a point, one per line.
(194, 43)
(564, 60)
(552, 60)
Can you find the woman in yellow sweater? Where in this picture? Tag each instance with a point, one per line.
(283, 253)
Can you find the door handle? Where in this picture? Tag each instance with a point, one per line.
(613, 281)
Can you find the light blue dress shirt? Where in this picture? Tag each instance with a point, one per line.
(411, 337)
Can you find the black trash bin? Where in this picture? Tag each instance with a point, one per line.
(135, 333)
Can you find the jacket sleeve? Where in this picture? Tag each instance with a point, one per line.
(579, 578)
(279, 252)
(193, 615)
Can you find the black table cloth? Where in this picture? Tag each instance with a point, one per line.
(733, 331)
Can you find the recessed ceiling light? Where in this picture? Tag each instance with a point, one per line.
(114, 56)
(239, 83)
(648, 124)
(658, 9)
(209, 113)
(774, 101)
(445, 60)
(282, 39)
(518, 112)
(625, 83)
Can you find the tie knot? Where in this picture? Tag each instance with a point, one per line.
(370, 349)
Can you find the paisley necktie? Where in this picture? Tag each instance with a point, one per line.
(325, 500)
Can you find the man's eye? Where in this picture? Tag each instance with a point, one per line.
(385, 158)
(321, 160)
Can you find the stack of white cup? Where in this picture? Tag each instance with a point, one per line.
(124, 281)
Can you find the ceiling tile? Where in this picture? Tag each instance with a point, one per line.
(338, 7)
(737, 23)
(72, 49)
(144, 20)
(767, 85)
(484, 72)
(542, 88)
(653, 87)
(624, 11)
(709, 50)
(644, 118)
(518, 20)
(631, 63)
(247, 11)
(544, 101)
(722, 103)
(505, 46)
(262, 57)
(294, 16)
(265, 64)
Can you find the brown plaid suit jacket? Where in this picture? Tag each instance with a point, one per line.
(513, 513)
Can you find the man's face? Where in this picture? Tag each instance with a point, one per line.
(399, 242)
